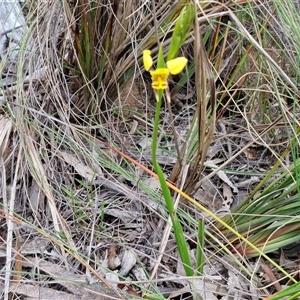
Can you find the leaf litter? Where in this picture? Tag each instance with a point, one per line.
(54, 183)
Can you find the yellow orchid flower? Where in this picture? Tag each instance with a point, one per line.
(160, 76)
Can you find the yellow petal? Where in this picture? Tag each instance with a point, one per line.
(147, 59)
(176, 65)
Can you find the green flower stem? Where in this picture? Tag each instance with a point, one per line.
(178, 232)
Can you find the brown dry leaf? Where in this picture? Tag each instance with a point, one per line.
(5, 130)
(112, 278)
(201, 289)
(18, 260)
(122, 214)
(227, 195)
(222, 175)
(128, 262)
(152, 182)
(271, 277)
(113, 260)
(37, 245)
(35, 194)
(31, 292)
(129, 290)
(236, 281)
(248, 182)
(75, 285)
(251, 154)
(208, 195)
(82, 169)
